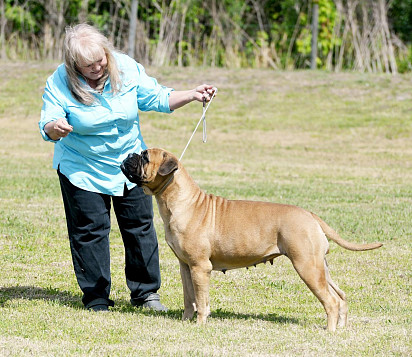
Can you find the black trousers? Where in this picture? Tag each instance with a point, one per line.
(88, 223)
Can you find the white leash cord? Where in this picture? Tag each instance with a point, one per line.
(204, 121)
(202, 118)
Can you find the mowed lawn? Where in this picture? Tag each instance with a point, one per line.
(336, 144)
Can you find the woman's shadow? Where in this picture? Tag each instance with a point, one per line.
(71, 300)
(35, 293)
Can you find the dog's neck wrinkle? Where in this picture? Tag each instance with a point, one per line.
(182, 199)
(169, 203)
(178, 190)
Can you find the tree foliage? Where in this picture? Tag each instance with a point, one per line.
(367, 35)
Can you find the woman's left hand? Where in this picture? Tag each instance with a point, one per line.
(204, 91)
(178, 99)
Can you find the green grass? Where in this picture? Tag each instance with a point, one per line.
(336, 144)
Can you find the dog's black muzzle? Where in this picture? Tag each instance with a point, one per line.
(132, 167)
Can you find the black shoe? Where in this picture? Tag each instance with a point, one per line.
(152, 302)
(99, 307)
(99, 304)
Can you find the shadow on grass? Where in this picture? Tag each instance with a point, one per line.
(69, 299)
(176, 314)
(229, 315)
(35, 293)
(278, 319)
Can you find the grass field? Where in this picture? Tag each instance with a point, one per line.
(336, 144)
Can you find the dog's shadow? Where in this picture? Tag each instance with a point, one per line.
(219, 314)
(272, 317)
(71, 300)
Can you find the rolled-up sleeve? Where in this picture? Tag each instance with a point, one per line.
(150, 94)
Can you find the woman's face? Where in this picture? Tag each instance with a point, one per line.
(94, 70)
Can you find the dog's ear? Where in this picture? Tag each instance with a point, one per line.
(168, 165)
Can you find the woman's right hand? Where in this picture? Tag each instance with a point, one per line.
(57, 129)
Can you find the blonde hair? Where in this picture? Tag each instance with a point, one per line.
(84, 43)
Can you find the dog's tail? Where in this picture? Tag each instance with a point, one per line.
(332, 234)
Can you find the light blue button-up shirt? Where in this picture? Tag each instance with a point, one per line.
(105, 132)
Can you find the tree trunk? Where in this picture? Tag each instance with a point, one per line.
(3, 22)
(392, 66)
(181, 33)
(83, 11)
(315, 25)
(132, 28)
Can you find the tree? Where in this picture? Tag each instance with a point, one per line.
(3, 22)
(314, 42)
(132, 28)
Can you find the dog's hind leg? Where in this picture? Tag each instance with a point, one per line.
(312, 271)
(201, 279)
(188, 291)
(334, 289)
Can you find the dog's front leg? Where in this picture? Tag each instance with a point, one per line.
(201, 279)
(188, 291)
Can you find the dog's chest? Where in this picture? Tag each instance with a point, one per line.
(172, 229)
(174, 243)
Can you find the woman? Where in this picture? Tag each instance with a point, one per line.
(90, 111)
